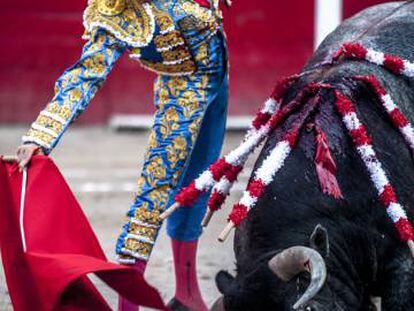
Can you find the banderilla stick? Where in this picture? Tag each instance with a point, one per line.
(207, 218)
(411, 246)
(169, 211)
(225, 233)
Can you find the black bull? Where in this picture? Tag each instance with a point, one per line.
(357, 242)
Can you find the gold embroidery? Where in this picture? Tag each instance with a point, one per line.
(75, 95)
(176, 85)
(159, 196)
(163, 95)
(62, 113)
(176, 176)
(189, 103)
(53, 107)
(153, 140)
(202, 14)
(41, 136)
(140, 184)
(203, 83)
(111, 7)
(190, 107)
(133, 25)
(169, 40)
(49, 123)
(194, 128)
(143, 249)
(133, 22)
(146, 226)
(202, 54)
(169, 123)
(135, 53)
(65, 112)
(177, 151)
(94, 65)
(198, 17)
(141, 230)
(156, 171)
(144, 215)
(72, 77)
(178, 54)
(190, 95)
(164, 21)
(152, 143)
(187, 67)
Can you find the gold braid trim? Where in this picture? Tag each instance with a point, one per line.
(185, 67)
(142, 233)
(198, 17)
(49, 124)
(130, 21)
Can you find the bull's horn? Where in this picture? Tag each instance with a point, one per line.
(218, 305)
(296, 259)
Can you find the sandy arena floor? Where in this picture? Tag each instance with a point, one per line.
(101, 167)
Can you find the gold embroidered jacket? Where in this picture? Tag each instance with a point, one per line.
(161, 34)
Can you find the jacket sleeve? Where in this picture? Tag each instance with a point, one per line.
(75, 89)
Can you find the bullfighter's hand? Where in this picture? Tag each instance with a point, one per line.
(26, 152)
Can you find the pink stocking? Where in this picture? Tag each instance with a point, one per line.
(187, 290)
(125, 305)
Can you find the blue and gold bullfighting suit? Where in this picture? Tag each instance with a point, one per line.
(184, 44)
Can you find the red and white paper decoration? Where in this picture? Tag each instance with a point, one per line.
(222, 188)
(263, 177)
(363, 144)
(395, 64)
(222, 174)
(265, 174)
(267, 118)
(397, 117)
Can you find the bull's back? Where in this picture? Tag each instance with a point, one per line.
(387, 27)
(294, 195)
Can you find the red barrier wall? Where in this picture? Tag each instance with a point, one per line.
(39, 39)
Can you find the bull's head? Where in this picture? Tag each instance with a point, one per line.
(293, 279)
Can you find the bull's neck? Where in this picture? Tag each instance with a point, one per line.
(354, 261)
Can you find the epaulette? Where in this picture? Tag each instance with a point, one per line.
(130, 21)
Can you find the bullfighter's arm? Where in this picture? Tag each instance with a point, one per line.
(75, 89)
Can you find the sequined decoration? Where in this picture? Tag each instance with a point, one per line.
(111, 7)
(74, 89)
(188, 80)
(130, 21)
(171, 141)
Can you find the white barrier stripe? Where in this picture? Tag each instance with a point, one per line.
(22, 204)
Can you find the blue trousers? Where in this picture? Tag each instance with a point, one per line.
(186, 138)
(185, 223)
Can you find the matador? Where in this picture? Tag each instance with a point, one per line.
(184, 43)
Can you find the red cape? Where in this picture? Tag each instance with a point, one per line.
(61, 247)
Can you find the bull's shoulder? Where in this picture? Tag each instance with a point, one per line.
(394, 34)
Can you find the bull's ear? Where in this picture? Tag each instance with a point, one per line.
(224, 281)
(319, 240)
